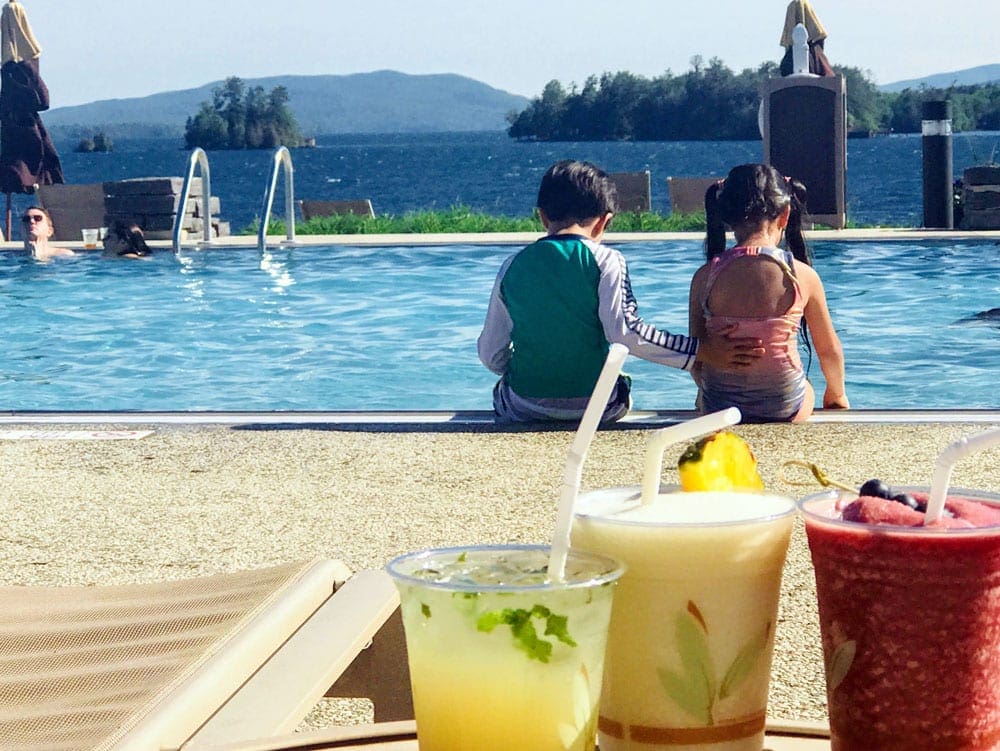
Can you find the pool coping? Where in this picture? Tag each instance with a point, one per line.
(523, 238)
(457, 418)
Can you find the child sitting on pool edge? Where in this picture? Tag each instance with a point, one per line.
(763, 291)
(558, 305)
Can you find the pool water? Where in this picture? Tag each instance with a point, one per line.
(346, 328)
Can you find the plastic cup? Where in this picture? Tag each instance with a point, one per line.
(500, 656)
(90, 237)
(692, 627)
(910, 622)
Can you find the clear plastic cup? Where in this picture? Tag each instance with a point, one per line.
(90, 237)
(692, 627)
(910, 622)
(500, 657)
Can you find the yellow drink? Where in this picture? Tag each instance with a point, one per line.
(500, 658)
(692, 628)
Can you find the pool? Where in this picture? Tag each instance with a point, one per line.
(394, 328)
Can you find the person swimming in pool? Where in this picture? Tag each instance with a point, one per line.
(765, 292)
(37, 231)
(558, 305)
(125, 240)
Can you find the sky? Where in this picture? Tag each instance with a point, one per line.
(118, 49)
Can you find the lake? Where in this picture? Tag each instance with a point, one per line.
(490, 172)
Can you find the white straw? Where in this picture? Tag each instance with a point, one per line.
(682, 431)
(577, 453)
(960, 449)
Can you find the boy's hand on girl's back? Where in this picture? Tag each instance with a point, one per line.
(725, 351)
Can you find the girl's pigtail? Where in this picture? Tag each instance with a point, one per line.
(715, 234)
(795, 241)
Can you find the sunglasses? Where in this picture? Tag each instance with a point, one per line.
(32, 218)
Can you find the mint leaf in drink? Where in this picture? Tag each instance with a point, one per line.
(523, 630)
(425, 609)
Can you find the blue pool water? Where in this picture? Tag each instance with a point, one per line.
(395, 328)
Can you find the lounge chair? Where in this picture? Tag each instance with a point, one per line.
(687, 194)
(361, 207)
(633, 190)
(73, 208)
(195, 662)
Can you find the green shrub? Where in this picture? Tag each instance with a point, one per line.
(460, 219)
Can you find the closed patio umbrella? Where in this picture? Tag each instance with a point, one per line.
(27, 157)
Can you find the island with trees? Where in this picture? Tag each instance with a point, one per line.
(712, 103)
(239, 117)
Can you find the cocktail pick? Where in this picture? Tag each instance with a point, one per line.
(952, 453)
(577, 454)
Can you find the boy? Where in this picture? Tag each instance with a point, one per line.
(559, 303)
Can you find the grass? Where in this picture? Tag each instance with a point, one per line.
(460, 219)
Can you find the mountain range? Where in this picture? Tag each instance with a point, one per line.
(379, 102)
(382, 101)
(968, 77)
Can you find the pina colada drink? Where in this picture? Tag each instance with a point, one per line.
(500, 657)
(692, 628)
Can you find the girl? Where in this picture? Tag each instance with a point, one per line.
(763, 292)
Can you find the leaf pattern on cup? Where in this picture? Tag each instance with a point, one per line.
(580, 735)
(695, 688)
(840, 663)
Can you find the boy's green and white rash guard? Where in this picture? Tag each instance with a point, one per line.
(556, 307)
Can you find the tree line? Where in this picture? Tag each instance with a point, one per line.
(712, 103)
(243, 118)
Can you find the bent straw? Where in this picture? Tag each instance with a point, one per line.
(577, 453)
(682, 431)
(960, 449)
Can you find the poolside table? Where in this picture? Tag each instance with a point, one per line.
(402, 736)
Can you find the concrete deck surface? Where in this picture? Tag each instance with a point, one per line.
(199, 499)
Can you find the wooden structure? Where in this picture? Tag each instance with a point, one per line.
(150, 202)
(981, 197)
(804, 124)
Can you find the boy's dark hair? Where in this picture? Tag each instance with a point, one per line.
(573, 192)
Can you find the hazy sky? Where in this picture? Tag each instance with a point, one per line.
(120, 49)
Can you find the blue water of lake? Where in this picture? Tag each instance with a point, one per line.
(343, 328)
(490, 172)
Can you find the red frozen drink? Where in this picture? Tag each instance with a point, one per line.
(910, 620)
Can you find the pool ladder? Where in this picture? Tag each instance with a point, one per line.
(282, 159)
(198, 158)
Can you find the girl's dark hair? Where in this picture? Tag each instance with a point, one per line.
(131, 235)
(751, 194)
(573, 191)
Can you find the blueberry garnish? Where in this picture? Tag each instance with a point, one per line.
(909, 501)
(876, 489)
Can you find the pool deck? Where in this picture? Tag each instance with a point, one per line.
(209, 492)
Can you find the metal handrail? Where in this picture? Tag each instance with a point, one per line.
(198, 158)
(282, 158)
